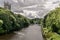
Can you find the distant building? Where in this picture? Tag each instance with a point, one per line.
(7, 5)
(19, 11)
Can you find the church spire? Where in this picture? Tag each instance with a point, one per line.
(7, 5)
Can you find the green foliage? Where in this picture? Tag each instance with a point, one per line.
(36, 21)
(1, 29)
(53, 20)
(1, 23)
(22, 21)
(10, 22)
(51, 25)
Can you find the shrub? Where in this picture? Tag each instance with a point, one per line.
(52, 19)
(51, 25)
(10, 22)
(22, 21)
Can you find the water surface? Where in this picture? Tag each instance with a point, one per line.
(33, 32)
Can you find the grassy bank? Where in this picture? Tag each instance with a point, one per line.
(51, 25)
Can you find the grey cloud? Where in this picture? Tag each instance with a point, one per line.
(24, 5)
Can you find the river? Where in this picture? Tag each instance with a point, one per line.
(33, 32)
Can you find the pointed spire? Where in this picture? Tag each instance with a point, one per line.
(7, 5)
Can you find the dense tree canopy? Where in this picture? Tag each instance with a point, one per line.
(53, 20)
(51, 25)
(10, 22)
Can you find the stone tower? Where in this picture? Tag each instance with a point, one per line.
(7, 5)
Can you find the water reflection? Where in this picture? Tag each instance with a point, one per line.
(7, 36)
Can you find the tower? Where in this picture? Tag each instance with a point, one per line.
(7, 5)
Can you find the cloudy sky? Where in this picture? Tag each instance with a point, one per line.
(38, 7)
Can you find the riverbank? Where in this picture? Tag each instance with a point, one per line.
(33, 32)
